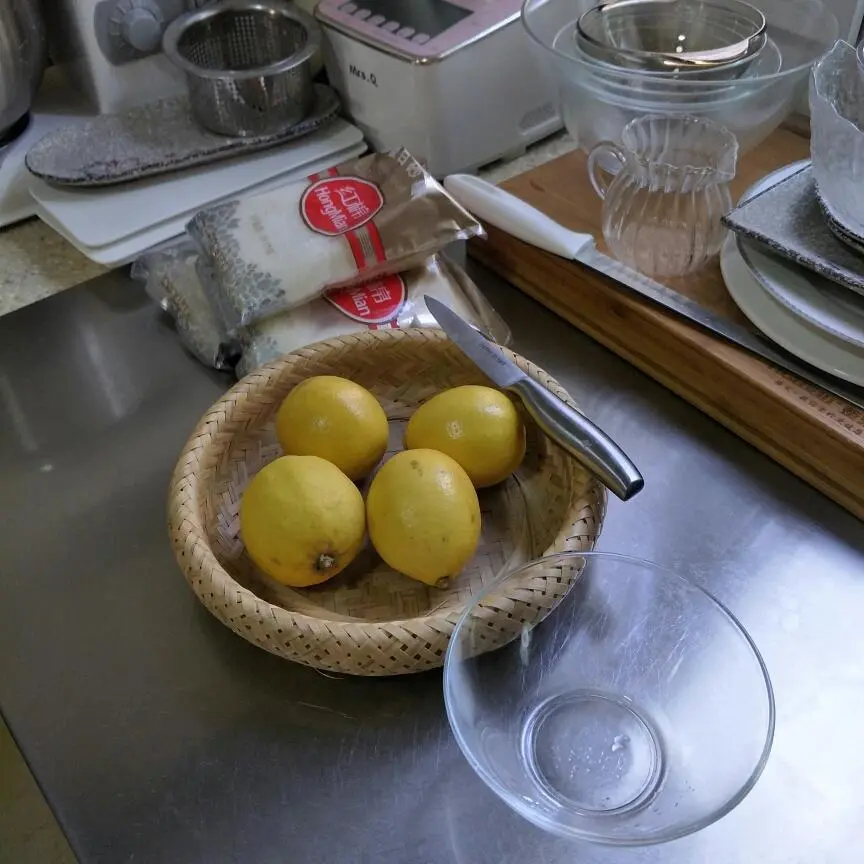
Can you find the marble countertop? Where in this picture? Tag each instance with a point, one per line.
(36, 262)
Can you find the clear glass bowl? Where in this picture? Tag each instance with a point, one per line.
(599, 99)
(637, 711)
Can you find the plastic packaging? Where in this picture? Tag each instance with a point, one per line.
(390, 301)
(171, 278)
(368, 217)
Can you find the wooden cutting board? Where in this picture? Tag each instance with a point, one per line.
(816, 435)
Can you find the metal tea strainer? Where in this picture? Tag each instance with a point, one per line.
(248, 65)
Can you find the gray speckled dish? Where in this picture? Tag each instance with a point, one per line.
(788, 219)
(153, 139)
(840, 231)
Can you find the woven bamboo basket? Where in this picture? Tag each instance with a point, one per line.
(370, 620)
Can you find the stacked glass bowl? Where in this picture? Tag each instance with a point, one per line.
(743, 65)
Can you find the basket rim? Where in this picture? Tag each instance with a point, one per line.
(191, 545)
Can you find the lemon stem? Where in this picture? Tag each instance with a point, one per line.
(325, 562)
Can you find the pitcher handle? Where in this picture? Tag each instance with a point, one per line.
(596, 174)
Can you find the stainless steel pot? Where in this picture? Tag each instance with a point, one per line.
(22, 58)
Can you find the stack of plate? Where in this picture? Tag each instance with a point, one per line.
(793, 278)
(117, 185)
(113, 225)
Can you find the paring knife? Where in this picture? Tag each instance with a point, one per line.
(505, 211)
(587, 443)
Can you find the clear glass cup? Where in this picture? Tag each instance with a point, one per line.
(633, 711)
(669, 189)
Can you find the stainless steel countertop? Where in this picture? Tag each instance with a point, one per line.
(159, 736)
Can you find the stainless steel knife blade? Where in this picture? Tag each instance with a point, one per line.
(486, 355)
(691, 310)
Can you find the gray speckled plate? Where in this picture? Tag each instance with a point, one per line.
(153, 139)
(788, 219)
(850, 238)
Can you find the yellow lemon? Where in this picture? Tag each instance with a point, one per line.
(477, 426)
(336, 419)
(302, 520)
(423, 515)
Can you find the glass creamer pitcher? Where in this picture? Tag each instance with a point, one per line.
(662, 210)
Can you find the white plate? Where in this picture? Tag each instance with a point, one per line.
(124, 252)
(129, 248)
(776, 321)
(832, 308)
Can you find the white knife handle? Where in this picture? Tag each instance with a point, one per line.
(494, 205)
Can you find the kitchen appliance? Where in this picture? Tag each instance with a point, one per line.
(454, 81)
(111, 50)
(497, 207)
(22, 59)
(573, 431)
(55, 105)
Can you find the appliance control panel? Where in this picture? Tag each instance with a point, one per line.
(420, 29)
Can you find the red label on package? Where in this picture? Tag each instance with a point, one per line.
(378, 301)
(336, 205)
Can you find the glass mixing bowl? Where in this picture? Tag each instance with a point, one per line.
(637, 711)
(599, 98)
